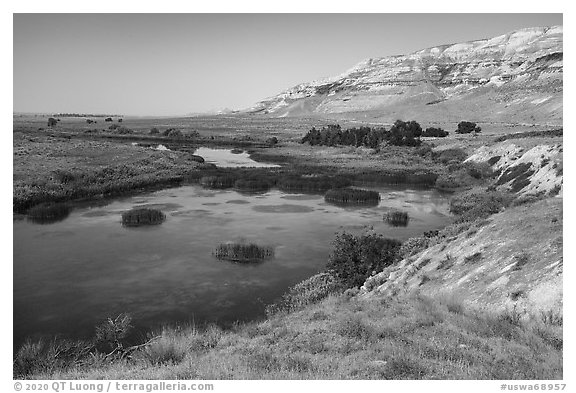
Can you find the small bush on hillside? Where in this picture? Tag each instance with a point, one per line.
(139, 217)
(112, 127)
(241, 252)
(475, 203)
(154, 131)
(466, 127)
(479, 170)
(352, 196)
(309, 291)
(356, 257)
(449, 156)
(413, 246)
(272, 141)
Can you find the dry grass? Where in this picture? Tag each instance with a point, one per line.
(349, 338)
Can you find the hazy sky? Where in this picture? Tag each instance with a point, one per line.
(170, 64)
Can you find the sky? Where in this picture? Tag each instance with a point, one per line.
(176, 64)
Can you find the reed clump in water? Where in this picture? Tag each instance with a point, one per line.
(143, 216)
(320, 183)
(48, 213)
(243, 252)
(352, 196)
(397, 218)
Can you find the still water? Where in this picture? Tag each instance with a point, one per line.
(72, 274)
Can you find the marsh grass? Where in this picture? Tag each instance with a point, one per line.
(48, 213)
(143, 216)
(243, 252)
(218, 182)
(252, 185)
(311, 183)
(397, 218)
(352, 196)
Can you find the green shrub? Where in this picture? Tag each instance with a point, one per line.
(346, 196)
(450, 156)
(357, 257)
(413, 246)
(144, 216)
(476, 203)
(309, 291)
(397, 218)
(48, 213)
(154, 131)
(242, 252)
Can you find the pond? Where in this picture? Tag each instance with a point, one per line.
(70, 275)
(225, 158)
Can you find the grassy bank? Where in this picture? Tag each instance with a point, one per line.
(53, 169)
(340, 337)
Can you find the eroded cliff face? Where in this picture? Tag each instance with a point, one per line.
(511, 260)
(515, 77)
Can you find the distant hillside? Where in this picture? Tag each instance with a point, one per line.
(515, 77)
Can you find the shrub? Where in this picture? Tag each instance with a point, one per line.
(236, 151)
(52, 122)
(347, 196)
(113, 127)
(466, 127)
(241, 252)
(355, 258)
(396, 218)
(450, 156)
(108, 119)
(144, 216)
(119, 120)
(123, 130)
(154, 131)
(272, 141)
(111, 332)
(479, 170)
(46, 357)
(413, 246)
(475, 203)
(309, 291)
(435, 132)
(173, 133)
(218, 182)
(166, 349)
(48, 213)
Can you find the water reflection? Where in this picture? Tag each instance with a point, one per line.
(71, 274)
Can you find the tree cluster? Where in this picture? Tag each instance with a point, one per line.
(401, 134)
(466, 127)
(435, 132)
